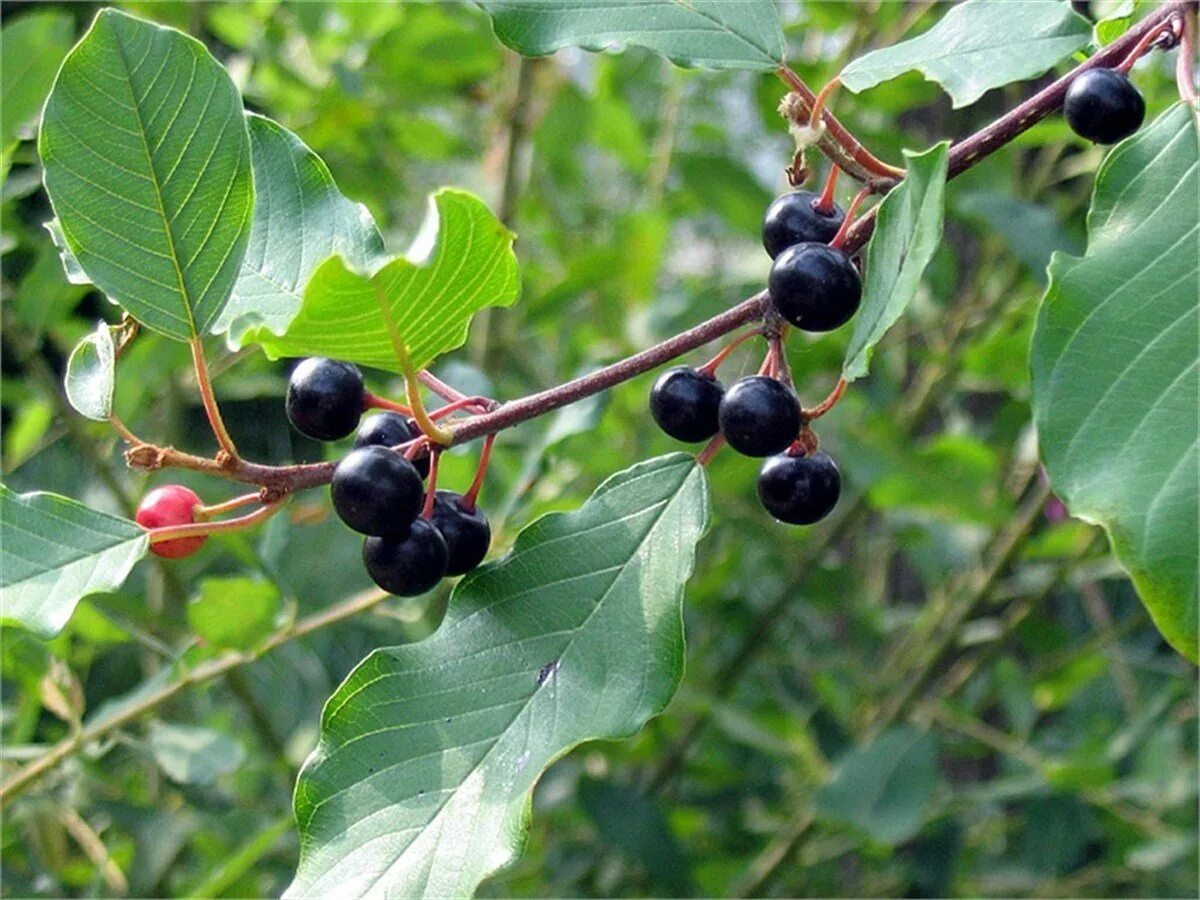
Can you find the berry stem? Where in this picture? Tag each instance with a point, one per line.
(1187, 54)
(439, 387)
(1170, 27)
(783, 371)
(205, 513)
(211, 410)
(374, 401)
(126, 435)
(705, 456)
(471, 404)
(822, 98)
(710, 367)
(435, 455)
(825, 203)
(828, 403)
(485, 455)
(840, 238)
(196, 529)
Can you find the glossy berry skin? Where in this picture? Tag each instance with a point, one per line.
(407, 565)
(389, 429)
(759, 416)
(171, 504)
(1104, 106)
(799, 490)
(376, 491)
(795, 219)
(466, 532)
(815, 287)
(684, 403)
(325, 398)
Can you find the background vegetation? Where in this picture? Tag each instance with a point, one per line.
(947, 688)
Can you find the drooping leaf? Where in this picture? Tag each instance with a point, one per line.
(300, 220)
(977, 46)
(91, 373)
(31, 49)
(908, 230)
(192, 754)
(461, 262)
(421, 783)
(147, 164)
(54, 552)
(234, 612)
(1114, 362)
(884, 788)
(714, 34)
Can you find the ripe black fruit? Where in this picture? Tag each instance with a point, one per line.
(1104, 106)
(799, 490)
(408, 565)
(389, 429)
(759, 416)
(325, 398)
(815, 287)
(376, 491)
(466, 532)
(684, 403)
(796, 219)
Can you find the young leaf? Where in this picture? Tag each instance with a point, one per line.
(300, 220)
(713, 34)
(1114, 362)
(977, 46)
(54, 553)
(91, 372)
(421, 783)
(907, 232)
(461, 262)
(31, 49)
(147, 164)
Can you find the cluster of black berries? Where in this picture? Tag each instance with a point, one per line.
(379, 493)
(1104, 106)
(814, 286)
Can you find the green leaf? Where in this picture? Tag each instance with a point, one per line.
(147, 164)
(1114, 21)
(91, 374)
(884, 788)
(234, 612)
(55, 552)
(422, 780)
(908, 230)
(31, 50)
(977, 46)
(300, 220)
(190, 754)
(1114, 363)
(461, 262)
(1031, 231)
(713, 34)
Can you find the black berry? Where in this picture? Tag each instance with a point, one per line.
(325, 398)
(796, 219)
(466, 532)
(389, 429)
(1104, 106)
(376, 491)
(407, 565)
(799, 490)
(815, 287)
(759, 416)
(684, 403)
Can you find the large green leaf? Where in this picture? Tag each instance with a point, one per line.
(147, 163)
(977, 46)
(91, 375)
(31, 49)
(715, 34)
(908, 230)
(1114, 363)
(300, 220)
(461, 262)
(54, 552)
(421, 783)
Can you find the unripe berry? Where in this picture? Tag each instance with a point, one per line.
(171, 504)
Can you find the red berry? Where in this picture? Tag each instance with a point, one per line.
(171, 504)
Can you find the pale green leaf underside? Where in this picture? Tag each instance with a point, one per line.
(1115, 368)
(714, 34)
(147, 164)
(55, 552)
(977, 46)
(908, 230)
(431, 301)
(421, 783)
(300, 220)
(91, 374)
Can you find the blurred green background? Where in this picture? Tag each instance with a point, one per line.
(947, 688)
